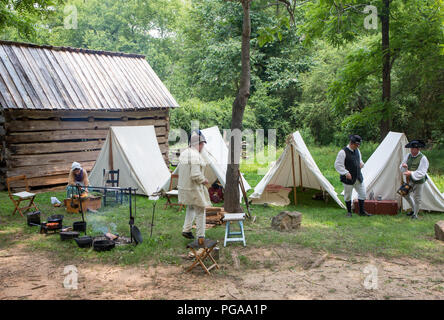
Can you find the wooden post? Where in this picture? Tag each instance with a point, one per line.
(111, 160)
(300, 170)
(294, 175)
(244, 194)
(402, 180)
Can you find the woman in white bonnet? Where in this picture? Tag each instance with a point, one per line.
(77, 176)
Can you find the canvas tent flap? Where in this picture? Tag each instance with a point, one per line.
(306, 172)
(215, 153)
(382, 175)
(136, 153)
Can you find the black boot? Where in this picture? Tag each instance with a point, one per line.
(410, 213)
(349, 208)
(188, 235)
(362, 212)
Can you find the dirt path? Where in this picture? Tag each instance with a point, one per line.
(272, 273)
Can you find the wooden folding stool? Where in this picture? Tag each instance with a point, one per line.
(199, 258)
(18, 197)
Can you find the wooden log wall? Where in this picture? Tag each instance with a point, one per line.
(43, 144)
(2, 150)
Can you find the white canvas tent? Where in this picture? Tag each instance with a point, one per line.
(294, 168)
(215, 153)
(133, 150)
(382, 175)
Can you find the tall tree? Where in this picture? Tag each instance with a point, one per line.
(341, 21)
(386, 122)
(232, 195)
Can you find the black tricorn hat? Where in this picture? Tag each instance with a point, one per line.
(355, 138)
(415, 144)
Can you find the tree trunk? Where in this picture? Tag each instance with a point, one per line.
(232, 194)
(386, 68)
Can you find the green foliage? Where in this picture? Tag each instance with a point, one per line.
(268, 34)
(132, 26)
(22, 17)
(270, 113)
(416, 105)
(330, 88)
(207, 113)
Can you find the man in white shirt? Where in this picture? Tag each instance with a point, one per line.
(349, 164)
(192, 186)
(414, 167)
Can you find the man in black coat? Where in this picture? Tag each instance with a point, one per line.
(349, 164)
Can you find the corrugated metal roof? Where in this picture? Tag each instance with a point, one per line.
(46, 77)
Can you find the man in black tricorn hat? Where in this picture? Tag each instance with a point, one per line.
(414, 166)
(349, 164)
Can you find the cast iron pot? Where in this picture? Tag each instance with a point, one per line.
(56, 218)
(84, 242)
(79, 226)
(103, 245)
(68, 235)
(33, 218)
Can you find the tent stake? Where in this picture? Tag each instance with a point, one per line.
(294, 174)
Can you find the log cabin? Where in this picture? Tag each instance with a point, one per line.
(57, 104)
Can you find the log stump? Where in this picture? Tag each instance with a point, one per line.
(439, 230)
(287, 221)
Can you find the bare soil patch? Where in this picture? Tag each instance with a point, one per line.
(279, 272)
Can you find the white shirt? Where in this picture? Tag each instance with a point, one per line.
(422, 168)
(340, 161)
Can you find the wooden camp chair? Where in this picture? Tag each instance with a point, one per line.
(171, 193)
(111, 178)
(18, 197)
(200, 256)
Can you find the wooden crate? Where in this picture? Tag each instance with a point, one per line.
(382, 207)
(91, 202)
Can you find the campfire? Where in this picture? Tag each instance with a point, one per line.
(118, 240)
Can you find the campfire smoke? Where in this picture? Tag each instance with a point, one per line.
(100, 223)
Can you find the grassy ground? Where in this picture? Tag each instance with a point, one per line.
(324, 226)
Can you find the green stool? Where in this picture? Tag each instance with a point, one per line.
(234, 217)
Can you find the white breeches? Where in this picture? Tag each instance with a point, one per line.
(358, 186)
(198, 214)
